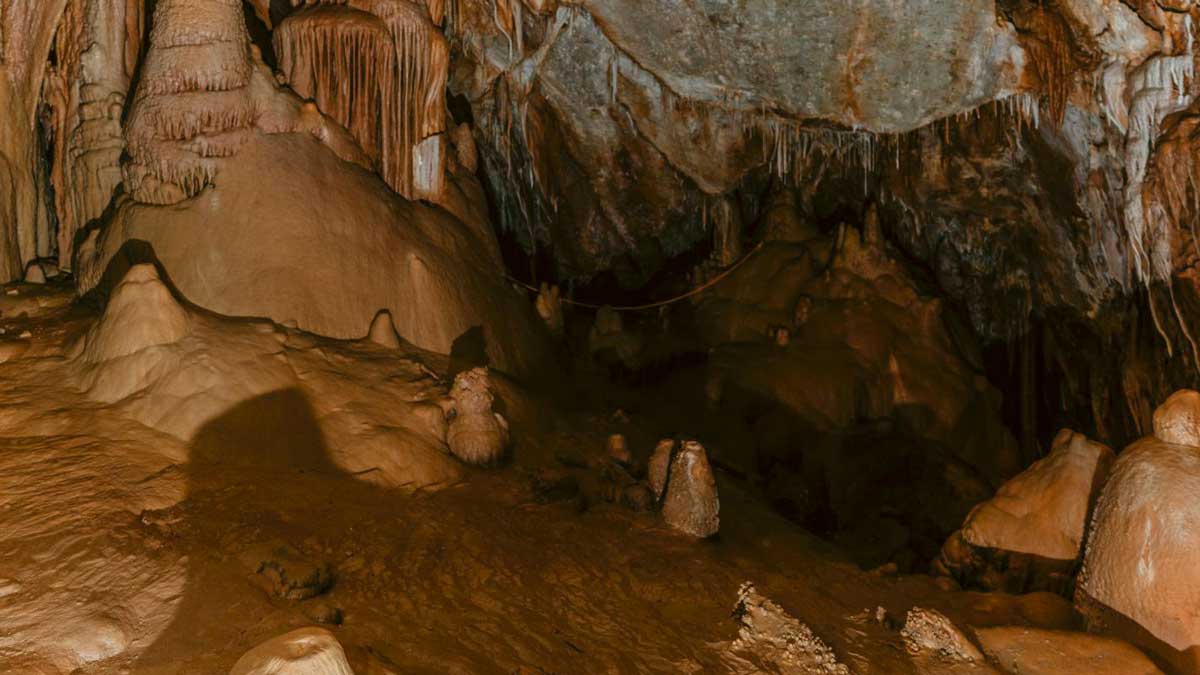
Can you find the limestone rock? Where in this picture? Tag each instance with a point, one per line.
(618, 449)
(1177, 420)
(1139, 577)
(691, 504)
(34, 274)
(768, 637)
(1029, 535)
(1044, 509)
(305, 651)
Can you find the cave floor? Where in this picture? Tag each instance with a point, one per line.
(119, 555)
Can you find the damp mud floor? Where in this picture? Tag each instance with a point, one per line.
(124, 549)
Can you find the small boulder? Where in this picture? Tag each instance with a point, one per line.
(34, 274)
(1177, 420)
(691, 504)
(306, 651)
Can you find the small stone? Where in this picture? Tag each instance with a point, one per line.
(691, 505)
(11, 291)
(926, 630)
(286, 573)
(25, 335)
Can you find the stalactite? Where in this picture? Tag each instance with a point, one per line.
(85, 96)
(381, 74)
(193, 82)
(344, 59)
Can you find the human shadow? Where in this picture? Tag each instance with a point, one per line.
(252, 451)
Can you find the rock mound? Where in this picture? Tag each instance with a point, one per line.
(141, 313)
(1139, 576)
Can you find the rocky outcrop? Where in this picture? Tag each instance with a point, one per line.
(1030, 535)
(1138, 576)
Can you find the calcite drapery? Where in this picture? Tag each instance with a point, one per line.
(393, 103)
(97, 48)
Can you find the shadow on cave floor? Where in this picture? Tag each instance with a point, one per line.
(477, 578)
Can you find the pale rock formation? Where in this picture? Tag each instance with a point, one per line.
(379, 68)
(691, 504)
(1139, 566)
(1043, 510)
(929, 631)
(305, 651)
(141, 313)
(203, 94)
(771, 640)
(383, 331)
(475, 434)
(659, 468)
(1177, 420)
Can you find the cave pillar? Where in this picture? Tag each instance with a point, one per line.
(26, 30)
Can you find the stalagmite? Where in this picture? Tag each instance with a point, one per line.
(476, 434)
(550, 309)
(691, 504)
(383, 331)
(141, 313)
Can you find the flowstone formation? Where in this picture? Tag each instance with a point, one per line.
(280, 199)
(380, 69)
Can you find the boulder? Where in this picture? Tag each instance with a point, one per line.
(1029, 535)
(1139, 578)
